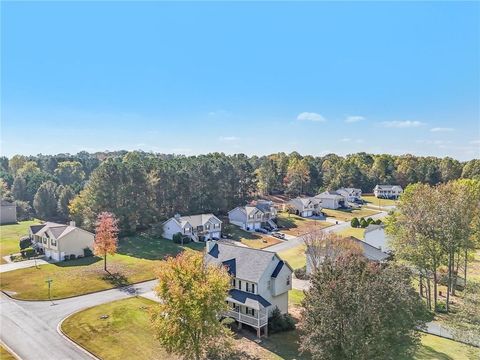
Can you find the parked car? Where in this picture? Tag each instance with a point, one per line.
(261, 230)
(278, 235)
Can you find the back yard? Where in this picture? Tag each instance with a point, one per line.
(126, 333)
(297, 225)
(134, 262)
(347, 215)
(10, 235)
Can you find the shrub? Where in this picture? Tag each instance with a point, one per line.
(186, 239)
(279, 322)
(355, 223)
(363, 223)
(72, 257)
(28, 252)
(301, 273)
(370, 221)
(177, 238)
(378, 222)
(24, 210)
(25, 242)
(441, 307)
(87, 252)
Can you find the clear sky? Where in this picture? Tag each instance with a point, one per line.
(248, 77)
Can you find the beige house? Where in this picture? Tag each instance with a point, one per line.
(387, 191)
(305, 206)
(260, 282)
(8, 213)
(200, 227)
(255, 216)
(58, 240)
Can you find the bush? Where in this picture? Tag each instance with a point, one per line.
(378, 222)
(177, 238)
(24, 210)
(363, 223)
(355, 223)
(25, 242)
(441, 307)
(301, 273)
(279, 322)
(370, 221)
(28, 252)
(72, 257)
(87, 252)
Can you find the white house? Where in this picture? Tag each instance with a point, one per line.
(370, 252)
(387, 191)
(375, 235)
(255, 216)
(331, 200)
(305, 207)
(260, 282)
(58, 240)
(350, 194)
(8, 213)
(197, 227)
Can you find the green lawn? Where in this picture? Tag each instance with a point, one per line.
(134, 262)
(10, 235)
(295, 256)
(126, 334)
(295, 297)
(359, 233)
(371, 199)
(297, 225)
(347, 215)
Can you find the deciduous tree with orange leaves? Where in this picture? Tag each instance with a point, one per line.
(106, 236)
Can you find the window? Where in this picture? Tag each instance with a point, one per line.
(250, 216)
(207, 227)
(44, 240)
(54, 243)
(240, 284)
(253, 288)
(233, 283)
(288, 281)
(259, 216)
(187, 229)
(247, 287)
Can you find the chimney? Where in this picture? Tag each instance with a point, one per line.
(72, 223)
(209, 244)
(177, 216)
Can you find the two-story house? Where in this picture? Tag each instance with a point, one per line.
(200, 227)
(350, 194)
(58, 240)
(375, 235)
(387, 191)
(255, 216)
(305, 206)
(260, 282)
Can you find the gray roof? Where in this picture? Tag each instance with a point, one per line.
(369, 251)
(250, 264)
(7, 203)
(57, 230)
(196, 220)
(387, 187)
(373, 227)
(329, 195)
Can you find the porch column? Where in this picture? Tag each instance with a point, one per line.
(258, 332)
(239, 325)
(266, 331)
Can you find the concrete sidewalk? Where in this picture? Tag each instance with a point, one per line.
(22, 265)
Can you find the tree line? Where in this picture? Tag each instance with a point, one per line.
(144, 188)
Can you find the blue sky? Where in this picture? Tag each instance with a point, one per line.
(247, 77)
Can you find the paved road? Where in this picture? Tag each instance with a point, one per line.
(293, 241)
(29, 328)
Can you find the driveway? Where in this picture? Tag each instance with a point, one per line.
(29, 328)
(293, 241)
(22, 265)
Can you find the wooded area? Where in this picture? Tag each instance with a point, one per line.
(142, 189)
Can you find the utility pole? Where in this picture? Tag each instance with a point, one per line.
(49, 282)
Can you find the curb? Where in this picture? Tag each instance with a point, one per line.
(9, 349)
(449, 338)
(74, 296)
(69, 339)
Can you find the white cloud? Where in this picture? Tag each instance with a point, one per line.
(441, 129)
(311, 116)
(402, 124)
(228, 138)
(354, 118)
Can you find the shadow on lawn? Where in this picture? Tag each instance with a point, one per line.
(116, 279)
(78, 262)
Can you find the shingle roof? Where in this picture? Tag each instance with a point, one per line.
(329, 195)
(7, 203)
(387, 187)
(250, 264)
(57, 230)
(196, 220)
(373, 227)
(248, 299)
(369, 251)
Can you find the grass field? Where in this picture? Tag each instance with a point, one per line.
(359, 233)
(135, 261)
(251, 239)
(126, 334)
(347, 215)
(10, 235)
(295, 256)
(371, 199)
(295, 297)
(297, 225)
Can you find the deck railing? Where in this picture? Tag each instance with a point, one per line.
(254, 321)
